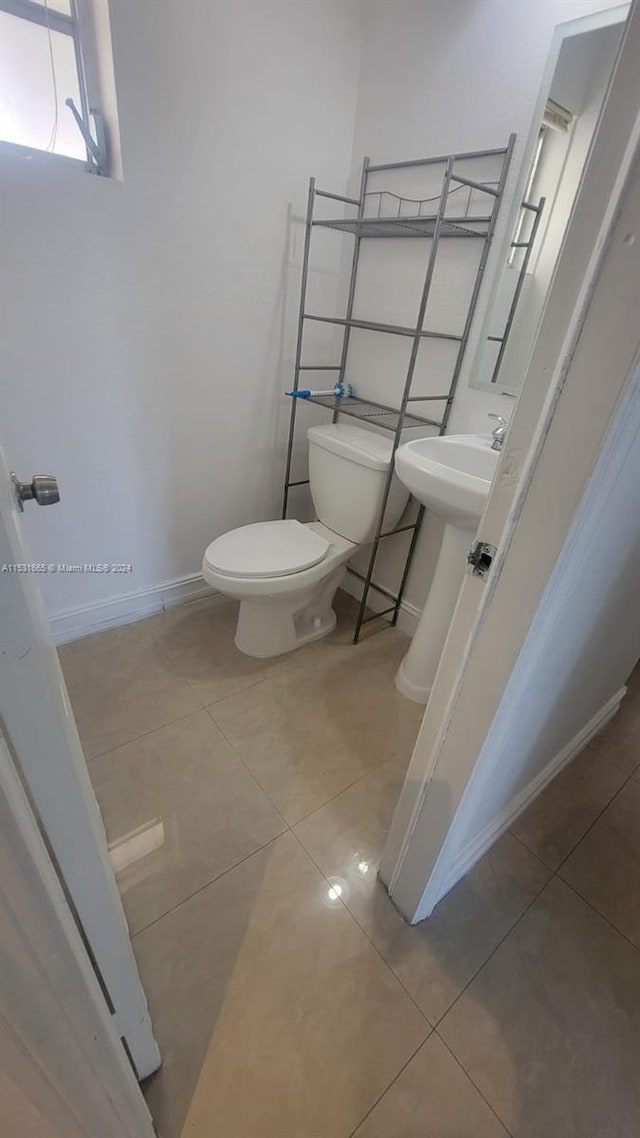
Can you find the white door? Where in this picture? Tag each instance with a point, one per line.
(40, 731)
(63, 1071)
(580, 375)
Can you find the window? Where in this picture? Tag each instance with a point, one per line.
(43, 94)
(544, 173)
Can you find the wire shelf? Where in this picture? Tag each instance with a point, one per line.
(463, 207)
(408, 226)
(386, 214)
(377, 414)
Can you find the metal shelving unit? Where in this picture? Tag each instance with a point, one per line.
(527, 247)
(382, 214)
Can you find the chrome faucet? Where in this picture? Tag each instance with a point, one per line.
(498, 432)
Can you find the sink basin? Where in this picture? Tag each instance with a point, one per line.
(451, 474)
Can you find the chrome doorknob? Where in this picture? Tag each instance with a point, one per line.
(43, 489)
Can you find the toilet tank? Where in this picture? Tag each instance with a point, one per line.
(348, 469)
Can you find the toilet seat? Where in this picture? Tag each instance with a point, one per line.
(266, 549)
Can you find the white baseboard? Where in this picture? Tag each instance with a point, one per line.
(442, 882)
(408, 616)
(73, 623)
(129, 607)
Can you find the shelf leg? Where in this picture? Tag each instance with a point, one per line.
(477, 284)
(352, 287)
(518, 290)
(296, 373)
(426, 288)
(407, 565)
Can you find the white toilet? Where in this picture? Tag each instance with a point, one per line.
(284, 573)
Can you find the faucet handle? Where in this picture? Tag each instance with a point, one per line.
(498, 433)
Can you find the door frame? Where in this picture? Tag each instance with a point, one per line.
(63, 1064)
(529, 513)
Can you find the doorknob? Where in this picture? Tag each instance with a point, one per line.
(43, 488)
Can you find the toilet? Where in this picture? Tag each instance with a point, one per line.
(285, 573)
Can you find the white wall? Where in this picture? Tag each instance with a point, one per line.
(439, 77)
(148, 325)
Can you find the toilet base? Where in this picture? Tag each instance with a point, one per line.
(272, 626)
(263, 631)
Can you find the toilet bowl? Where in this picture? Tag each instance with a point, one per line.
(285, 573)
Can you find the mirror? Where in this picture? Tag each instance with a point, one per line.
(572, 99)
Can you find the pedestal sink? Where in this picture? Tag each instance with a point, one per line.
(451, 475)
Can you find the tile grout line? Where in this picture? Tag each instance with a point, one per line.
(292, 825)
(192, 687)
(291, 828)
(555, 875)
(595, 821)
(174, 664)
(366, 935)
(472, 1081)
(265, 845)
(355, 782)
(531, 852)
(364, 1118)
(557, 872)
(202, 707)
(507, 934)
(230, 694)
(247, 768)
(597, 912)
(582, 836)
(495, 949)
(206, 884)
(143, 734)
(195, 711)
(286, 666)
(207, 708)
(155, 644)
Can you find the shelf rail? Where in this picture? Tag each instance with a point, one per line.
(528, 245)
(396, 419)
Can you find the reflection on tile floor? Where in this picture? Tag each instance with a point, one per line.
(179, 809)
(282, 1014)
(246, 804)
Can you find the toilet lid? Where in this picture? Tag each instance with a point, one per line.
(267, 549)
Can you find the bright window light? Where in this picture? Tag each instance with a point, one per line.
(41, 73)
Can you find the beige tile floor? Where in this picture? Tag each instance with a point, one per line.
(246, 805)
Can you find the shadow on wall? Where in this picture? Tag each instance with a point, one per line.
(247, 406)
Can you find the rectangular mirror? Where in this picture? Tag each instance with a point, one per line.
(580, 66)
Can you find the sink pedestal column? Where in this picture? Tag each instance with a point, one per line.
(418, 668)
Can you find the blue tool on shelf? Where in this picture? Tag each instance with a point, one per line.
(339, 391)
